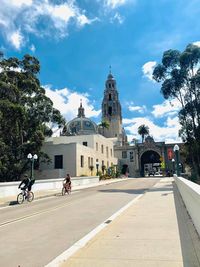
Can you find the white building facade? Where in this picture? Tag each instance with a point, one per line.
(79, 155)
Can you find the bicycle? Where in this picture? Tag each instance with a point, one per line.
(24, 195)
(66, 189)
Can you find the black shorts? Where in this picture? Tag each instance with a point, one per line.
(29, 187)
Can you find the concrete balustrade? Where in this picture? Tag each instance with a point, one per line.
(11, 188)
(190, 193)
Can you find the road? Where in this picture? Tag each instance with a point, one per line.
(33, 234)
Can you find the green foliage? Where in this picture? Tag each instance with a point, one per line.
(104, 125)
(26, 115)
(143, 130)
(180, 77)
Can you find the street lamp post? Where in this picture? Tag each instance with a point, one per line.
(32, 158)
(176, 150)
(173, 167)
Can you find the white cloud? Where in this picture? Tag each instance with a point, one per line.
(19, 3)
(19, 17)
(148, 68)
(167, 133)
(167, 108)
(83, 20)
(67, 102)
(140, 109)
(63, 12)
(16, 39)
(32, 48)
(117, 17)
(197, 43)
(114, 3)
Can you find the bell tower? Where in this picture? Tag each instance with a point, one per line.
(111, 109)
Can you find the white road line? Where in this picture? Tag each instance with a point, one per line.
(38, 199)
(82, 242)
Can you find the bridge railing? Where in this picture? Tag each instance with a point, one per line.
(11, 188)
(190, 193)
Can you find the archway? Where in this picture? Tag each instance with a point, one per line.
(150, 163)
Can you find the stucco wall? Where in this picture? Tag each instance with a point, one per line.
(69, 164)
(11, 188)
(190, 193)
(72, 153)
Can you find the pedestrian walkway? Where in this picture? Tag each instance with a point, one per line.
(12, 200)
(155, 231)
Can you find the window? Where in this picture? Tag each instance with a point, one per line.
(88, 161)
(92, 161)
(82, 161)
(107, 152)
(110, 97)
(111, 152)
(58, 161)
(102, 149)
(96, 146)
(84, 143)
(124, 154)
(110, 111)
(109, 85)
(131, 156)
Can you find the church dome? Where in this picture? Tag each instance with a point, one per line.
(81, 125)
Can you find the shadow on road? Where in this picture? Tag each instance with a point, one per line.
(14, 202)
(128, 191)
(137, 191)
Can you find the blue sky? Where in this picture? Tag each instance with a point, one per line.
(77, 41)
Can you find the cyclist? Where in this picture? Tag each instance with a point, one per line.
(26, 184)
(67, 182)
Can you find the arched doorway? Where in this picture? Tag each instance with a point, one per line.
(150, 163)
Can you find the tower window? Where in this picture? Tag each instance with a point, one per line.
(110, 97)
(110, 111)
(109, 85)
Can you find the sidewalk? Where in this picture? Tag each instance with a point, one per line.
(155, 231)
(12, 200)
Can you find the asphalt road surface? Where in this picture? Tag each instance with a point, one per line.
(33, 234)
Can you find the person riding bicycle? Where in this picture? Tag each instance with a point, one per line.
(67, 182)
(26, 184)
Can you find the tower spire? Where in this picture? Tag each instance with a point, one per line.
(110, 68)
(81, 110)
(111, 108)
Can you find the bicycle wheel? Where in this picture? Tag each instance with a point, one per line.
(63, 191)
(20, 198)
(30, 197)
(69, 190)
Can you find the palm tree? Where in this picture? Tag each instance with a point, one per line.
(143, 130)
(104, 124)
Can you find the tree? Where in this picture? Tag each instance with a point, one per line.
(26, 115)
(104, 124)
(179, 74)
(143, 130)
